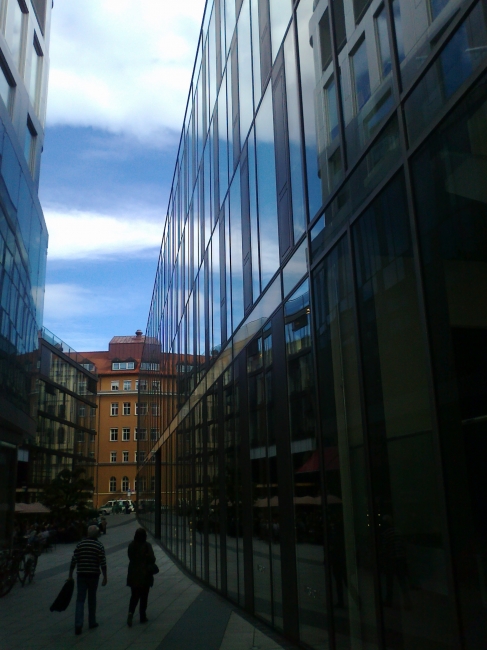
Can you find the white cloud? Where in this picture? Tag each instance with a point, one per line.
(122, 65)
(68, 301)
(76, 235)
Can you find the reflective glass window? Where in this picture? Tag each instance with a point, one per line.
(408, 523)
(331, 110)
(223, 138)
(360, 71)
(254, 220)
(280, 14)
(246, 108)
(451, 203)
(398, 28)
(236, 251)
(14, 30)
(266, 188)
(294, 133)
(6, 90)
(254, 11)
(383, 42)
(304, 14)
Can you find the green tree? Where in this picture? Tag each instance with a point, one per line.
(68, 494)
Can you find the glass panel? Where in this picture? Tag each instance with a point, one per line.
(463, 54)
(223, 139)
(213, 492)
(5, 89)
(246, 107)
(254, 12)
(229, 23)
(266, 187)
(295, 269)
(383, 41)
(407, 512)
(348, 519)
(215, 297)
(398, 28)
(280, 14)
(304, 15)
(331, 111)
(294, 132)
(361, 78)
(254, 220)
(13, 33)
(236, 257)
(451, 203)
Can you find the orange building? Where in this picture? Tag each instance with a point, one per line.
(119, 370)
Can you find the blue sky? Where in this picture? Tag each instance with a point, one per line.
(119, 78)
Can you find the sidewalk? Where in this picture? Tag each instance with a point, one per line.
(182, 615)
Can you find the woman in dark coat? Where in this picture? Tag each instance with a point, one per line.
(139, 577)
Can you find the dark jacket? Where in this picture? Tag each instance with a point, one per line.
(140, 556)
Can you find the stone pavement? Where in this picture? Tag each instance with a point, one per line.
(182, 614)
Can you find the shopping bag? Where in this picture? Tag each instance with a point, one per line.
(64, 597)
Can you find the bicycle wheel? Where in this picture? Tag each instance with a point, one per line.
(32, 564)
(22, 572)
(7, 579)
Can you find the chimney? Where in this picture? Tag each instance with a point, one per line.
(138, 333)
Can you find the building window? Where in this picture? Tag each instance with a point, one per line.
(93, 411)
(135, 483)
(156, 385)
(127, 384)
(113, 484)
(92, 454)
(136, 456)
(125, 456)
(7, 85)
(126, 433)
(141, 409)
(123, 365)
(331, 110)
(113, 456)
(113, 435)
(152, 483)
(30, 146)
(114, 408)
(360, 72)
(141, 456)
(14, 32)
(82, 387)
(125, 484)
(154, 434)
(35, 74)
(142, 434)
(82, 411)
(89, 366)
(149, 366)
(126, 408)
(154, 408)
(115, 385)
(383, 42)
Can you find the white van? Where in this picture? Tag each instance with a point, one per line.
(107, 509)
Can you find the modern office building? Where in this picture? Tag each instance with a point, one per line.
(323, 259)
(118, 370)
(66, 419)
(24, 65)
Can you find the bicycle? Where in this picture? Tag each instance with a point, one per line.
(9, 570)
(28, 563)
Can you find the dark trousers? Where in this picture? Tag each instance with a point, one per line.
(142, 594)
(87, 584)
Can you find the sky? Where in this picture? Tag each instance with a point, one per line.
(119, 77)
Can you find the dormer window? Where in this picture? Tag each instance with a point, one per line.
(123, 365)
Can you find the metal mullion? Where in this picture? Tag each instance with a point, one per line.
(367, 450)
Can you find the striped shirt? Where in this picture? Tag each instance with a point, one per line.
(89, 556)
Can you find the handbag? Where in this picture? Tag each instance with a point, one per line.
(64, 597)
(152, 568)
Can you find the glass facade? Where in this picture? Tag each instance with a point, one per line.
(319, 295)
(23, 233)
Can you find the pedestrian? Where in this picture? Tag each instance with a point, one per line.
(89, 557)
(140, 577)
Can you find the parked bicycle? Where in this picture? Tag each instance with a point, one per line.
(28, 563)
(9, 569)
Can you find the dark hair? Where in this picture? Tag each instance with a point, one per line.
(140, 535)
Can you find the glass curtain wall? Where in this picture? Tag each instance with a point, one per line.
(318, 311)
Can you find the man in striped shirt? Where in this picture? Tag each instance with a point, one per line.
(89, 557)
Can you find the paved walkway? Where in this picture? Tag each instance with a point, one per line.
(182, 614)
